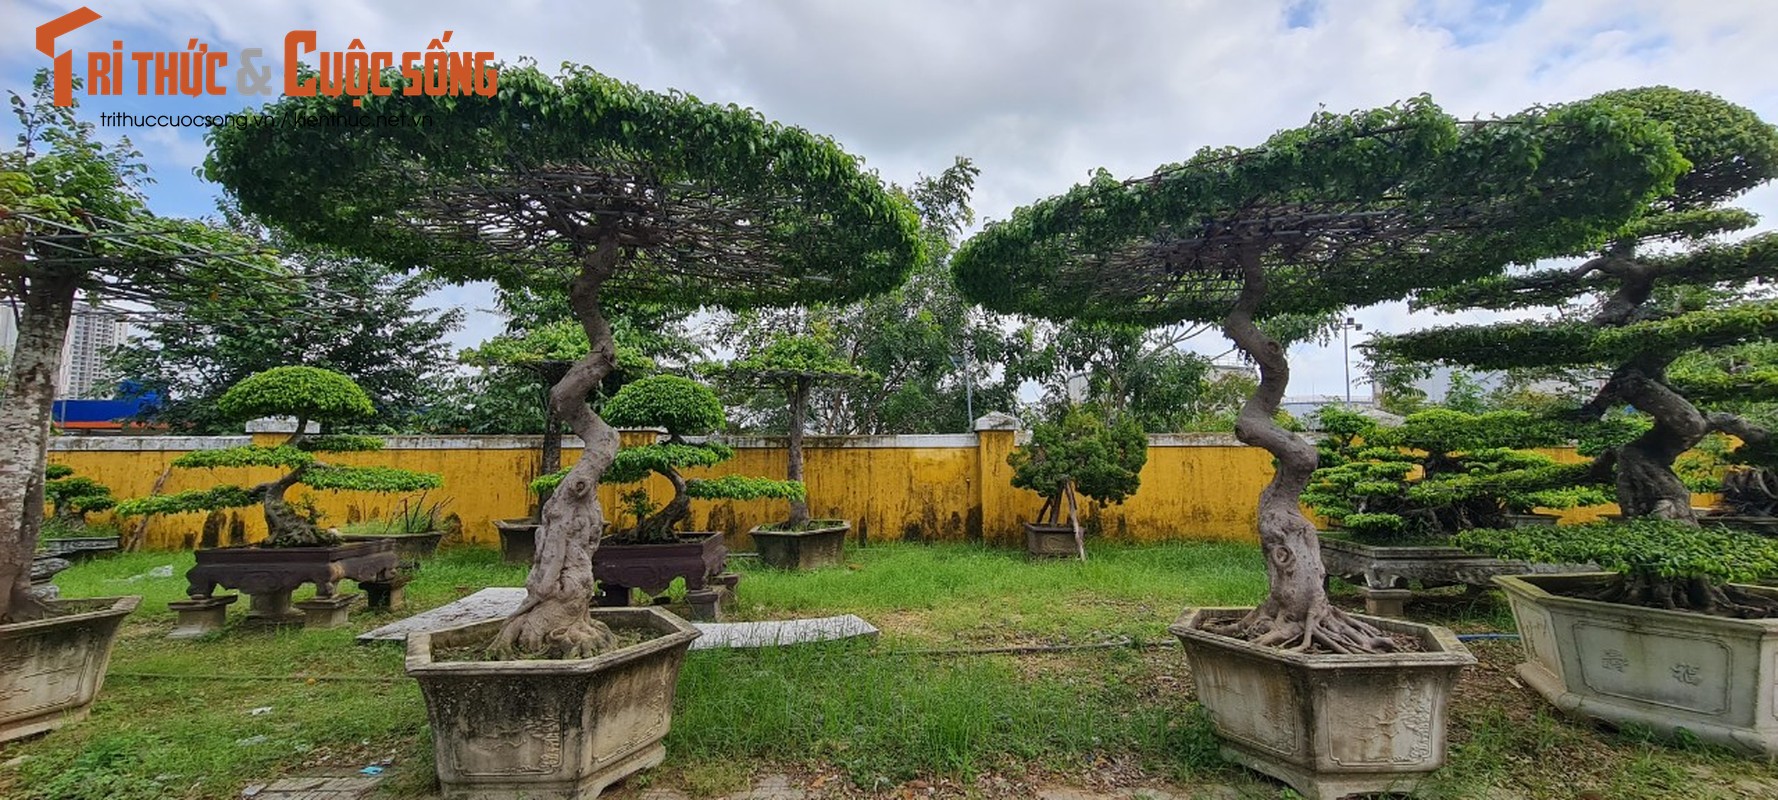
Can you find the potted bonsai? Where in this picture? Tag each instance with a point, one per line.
(1665, 638)
(794, 365)
(614, 194)
(1077, 454)
(415, 526)
(650, 555)
(1351, 210)
(296, 550)
(71, 498)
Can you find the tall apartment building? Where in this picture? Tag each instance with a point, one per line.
(94, 331)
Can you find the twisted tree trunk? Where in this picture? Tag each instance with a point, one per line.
(799, 412)
(1646, 483)
(1296, 611)
(554, 621)
(659, 525)
(25, 411)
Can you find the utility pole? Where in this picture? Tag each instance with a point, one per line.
(1346, 329)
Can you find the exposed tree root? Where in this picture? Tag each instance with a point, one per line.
(1325, 628)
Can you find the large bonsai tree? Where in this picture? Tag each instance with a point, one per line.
(794, 364)
(1081, 454)
(73, 222)
(309, 394)
(1350, 210)
(682, 407)
(586, 183)
(1649, 305)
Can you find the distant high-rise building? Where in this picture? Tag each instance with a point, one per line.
(95, 330)
(9, 329)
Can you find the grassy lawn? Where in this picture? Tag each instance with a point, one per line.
(201, 719)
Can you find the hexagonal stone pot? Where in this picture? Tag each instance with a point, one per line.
(1330, 726)
(51, 669)
(1713, 676)
(818, 547)
(549, 729)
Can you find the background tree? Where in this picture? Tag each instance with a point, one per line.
(1350, 210)
(1079, 453)
(72, 497)
(376, 333)
(309, 394)
(1648, 306)
(593, 185)
(1121, 370)
(75, 223)
(793, 366)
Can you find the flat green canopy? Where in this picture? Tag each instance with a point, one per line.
(712, 205)
(1350, 210)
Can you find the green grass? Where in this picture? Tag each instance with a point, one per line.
(878, 714)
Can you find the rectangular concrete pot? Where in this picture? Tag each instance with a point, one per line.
(518, 539)
(549, 729)
(1043, 541)
(51, 669)
(1327, 725)
(815, 548)
(1666, 670)
(410, 548)
(1390, 567)
(696, 557)
(274, 570)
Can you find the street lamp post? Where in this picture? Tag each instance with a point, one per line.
(1346, 329)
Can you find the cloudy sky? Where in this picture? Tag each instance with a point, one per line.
(1038, 92)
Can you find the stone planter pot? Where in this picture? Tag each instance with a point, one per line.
(549, 729)
(810, 549)
(1532, 520)
(518, 539)
(1384, 567)
(1667, 670)
(652, 567)
(51, 669)
(1328, 725)
(409, 547)
(1764, 526)
(275, 570)
(79, 546)
(1043, 541)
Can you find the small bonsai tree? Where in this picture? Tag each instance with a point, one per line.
(794, 364)
(1665, 563)
(1081, 454)
(72, 497)
(309, 394)
(1442, 471)
(684, 408)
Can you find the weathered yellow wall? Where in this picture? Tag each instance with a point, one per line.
(946, 488)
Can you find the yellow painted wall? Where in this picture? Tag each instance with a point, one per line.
(1194, 487)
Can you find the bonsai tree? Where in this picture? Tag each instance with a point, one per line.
(604, 190)
(72, 497)
(1079, 453)
(1651, 305)
(683, 407)
(74, 224)
(1441, 471)
(1665, 563)
(1350, 210)
(309, 394)
(794, 365)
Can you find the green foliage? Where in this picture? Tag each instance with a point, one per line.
(1377, 526)
(245, 456)
(369, 479)
(212, 499)
(1103, 462)
(633, 464)
(789, 357)
(308, 393)
(1159, 250)
(1445, 431)
(1657, 548)
(744, 487)
(747, 212)
(682, 406)
(1729, 148)
(74, 496)
(55, 472)
(340, 443)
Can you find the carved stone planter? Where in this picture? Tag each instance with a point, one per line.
(1381, 567)
(267, 575)
(1046, 541)
(810, 549)
(410, 548)
(80, 546)
(1532, 520)
(1765, 526)
(518, 539)
(1667, 670)
(1328, 725)
(51, 669)
(549, 730)
(652, 567)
